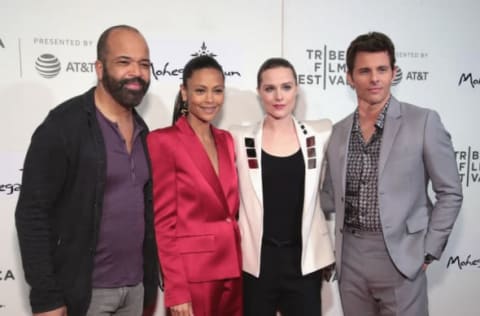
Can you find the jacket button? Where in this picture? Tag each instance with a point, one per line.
(228, 219)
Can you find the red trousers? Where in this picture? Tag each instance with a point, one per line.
(217, 298)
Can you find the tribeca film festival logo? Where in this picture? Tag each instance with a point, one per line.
(468, 163)
(329, 68)
(469, 80)
(167, 70)
(49, 66)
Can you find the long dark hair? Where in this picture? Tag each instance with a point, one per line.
(201, 62)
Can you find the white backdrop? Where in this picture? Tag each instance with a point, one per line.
(437, 51)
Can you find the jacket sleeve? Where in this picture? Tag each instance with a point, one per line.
(441, 167)
(164, 179)
(327, 197)
(326, 186)
(42, 182)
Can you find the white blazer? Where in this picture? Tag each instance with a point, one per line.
(316, 244)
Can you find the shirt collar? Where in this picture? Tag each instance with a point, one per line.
(138, 128)
(379, 123)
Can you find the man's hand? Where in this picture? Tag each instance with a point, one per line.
(328, 273)
(62, 311)
(428, 259)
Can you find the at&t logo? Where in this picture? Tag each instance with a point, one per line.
(398, 76)
(410, 76)
(48, 66)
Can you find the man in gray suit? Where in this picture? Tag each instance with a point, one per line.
(380, 161)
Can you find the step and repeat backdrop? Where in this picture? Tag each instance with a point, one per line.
(437, 56)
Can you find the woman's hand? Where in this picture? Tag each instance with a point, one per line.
(184, 309)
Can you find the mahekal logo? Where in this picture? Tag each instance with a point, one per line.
(203, 51)
(171, 71)
(48, 66)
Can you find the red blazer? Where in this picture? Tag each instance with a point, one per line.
(195, 210)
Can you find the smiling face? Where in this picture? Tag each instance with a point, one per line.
(204, 94)
(278, 92)
(124, 71)
(371, 77)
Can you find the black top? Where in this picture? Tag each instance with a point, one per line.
(283, 181)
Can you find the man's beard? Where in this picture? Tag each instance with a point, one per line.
(124, 96)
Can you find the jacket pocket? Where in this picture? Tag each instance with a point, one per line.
(196, 244)
(417, 223)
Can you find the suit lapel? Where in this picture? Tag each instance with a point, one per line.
(199, 157)
(226, 169)
(256, 173)
(392, 125)
(344, 131)
(311, 152)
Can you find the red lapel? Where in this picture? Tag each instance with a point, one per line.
(199, 157)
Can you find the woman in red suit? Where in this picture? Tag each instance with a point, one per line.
(196, 200)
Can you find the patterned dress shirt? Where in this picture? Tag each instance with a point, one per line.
(361, 194)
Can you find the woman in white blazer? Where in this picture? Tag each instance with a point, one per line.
(285, 239)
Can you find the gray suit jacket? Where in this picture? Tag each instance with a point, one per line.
(416, 149)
